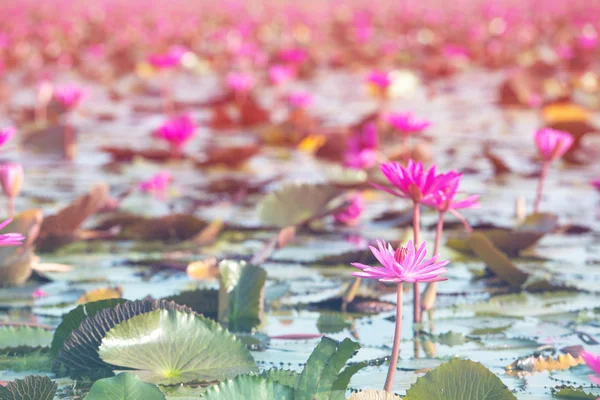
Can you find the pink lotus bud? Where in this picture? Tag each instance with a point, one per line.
(6, 134)
(11, 178)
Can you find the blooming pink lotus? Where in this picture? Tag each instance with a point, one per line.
(240, 82)
(412, 182)
(7, 134)
(10, 239)
(379, 79)
(300, 99)
(280, 74)
(170, 59)
(68, 96)
(406, 264)
(594, 363)
(352, 213)
(177, 131)
(552, 144)
(406, 123)
(157, 184)
(443, 199)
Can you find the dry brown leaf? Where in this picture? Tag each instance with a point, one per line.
(203, 270)
(103, 293)
(540, 363)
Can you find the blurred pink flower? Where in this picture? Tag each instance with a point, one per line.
(240, 82)
(352, 213)
(443, 199)
(565, 52)
(407, 123)
(300, 99)
(11, 179)
(170, 59)
(587, 41)
(293, 55)
(68, 95)
(552, 144)
(177, 131)
(157, 184)
(280, 74)
(360, 159)
(594, 363)
(596, 183)
(7, 134)
(412, 182)
(37, 293)
(406, 264)
(455, 51)
(379, 79)
(10, 239)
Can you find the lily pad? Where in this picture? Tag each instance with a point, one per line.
(79, 354)
(241, 295)
(169, 347)
(125, 386)
(32, 387)
(15, 339)
(459, 380)
(201, 301)
(574, 394)
(294, 204)
(73, 319)
(249, 387)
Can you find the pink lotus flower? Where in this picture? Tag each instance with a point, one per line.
(413, 182)
(68, 95)
(300, 99)
(362, 147)
(10, 239)
(594, 363)
(280, 74)
(157, 184)
(6, 134)
(443, 199)
(596, 183)
(177, 131)
(552, 144)
(11, 179)
(170, 59)
(406, 264)
(240, 82)
(293, 55)
(352, 213)
(406, 123)
(37, 293)
(361, 159)
(379, 79)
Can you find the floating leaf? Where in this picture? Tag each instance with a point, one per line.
(459, 380)
(31, 387)
(248, 387)
(331, 322)
(544, 363)
(73, 319)
(574, 394)
(169, 347)
(318, 379)
(125, 386)
(294, 204)
(16, 339)
(373, 394)
(201, 301)
(241, 295)
(231, 157)
(104, 293)
(79, 353)
(170, 227)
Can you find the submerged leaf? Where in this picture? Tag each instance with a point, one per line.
(459, 380)
(32, 387)
(169, 347)
(248, 387)
(294, 204)
(125, 386)
(241, 295)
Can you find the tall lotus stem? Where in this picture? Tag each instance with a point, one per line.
(430, 293)
(540, 187)
(416, 292)
(389, 380)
